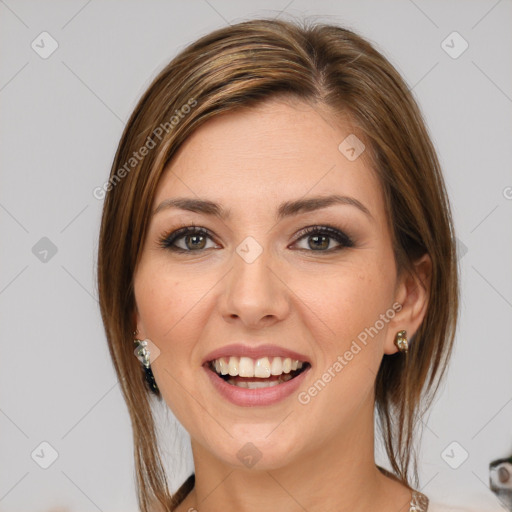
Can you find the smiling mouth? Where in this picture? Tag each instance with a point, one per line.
(245, 372)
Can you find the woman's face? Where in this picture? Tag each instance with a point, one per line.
(256, 289)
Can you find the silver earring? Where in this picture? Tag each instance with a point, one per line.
(144, 352)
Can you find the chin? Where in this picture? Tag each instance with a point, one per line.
(256, 450)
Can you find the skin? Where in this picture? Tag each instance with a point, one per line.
(318, 456)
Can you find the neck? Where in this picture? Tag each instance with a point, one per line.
(340, 474)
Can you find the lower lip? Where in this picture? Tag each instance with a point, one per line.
(252, 397)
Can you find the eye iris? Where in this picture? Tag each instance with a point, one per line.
(316, 238)
(195, 238)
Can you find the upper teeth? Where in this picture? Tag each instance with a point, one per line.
(262, 367)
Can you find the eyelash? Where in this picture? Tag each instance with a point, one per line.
(167, 240)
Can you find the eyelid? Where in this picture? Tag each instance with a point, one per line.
(168, 239)
(337, 234)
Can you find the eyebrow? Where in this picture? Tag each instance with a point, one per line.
(286, 209)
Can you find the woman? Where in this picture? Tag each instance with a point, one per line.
(277, 240)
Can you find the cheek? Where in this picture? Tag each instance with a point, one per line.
(164, 301)
(170, 309)
(350, 304)
(349, 301)
(174, 304)
(165, 306)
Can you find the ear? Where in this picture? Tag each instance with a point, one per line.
(412, 293)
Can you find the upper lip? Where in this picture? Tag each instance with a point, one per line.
(254, 352)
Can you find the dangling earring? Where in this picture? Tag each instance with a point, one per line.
(401, 341)
(144, 352)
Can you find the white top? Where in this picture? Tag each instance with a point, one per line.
(421, 503)
(439, 507)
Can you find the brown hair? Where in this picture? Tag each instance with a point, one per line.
(240, 66)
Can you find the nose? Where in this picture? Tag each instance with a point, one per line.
(255, 294)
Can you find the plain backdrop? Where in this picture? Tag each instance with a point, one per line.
(61, 119)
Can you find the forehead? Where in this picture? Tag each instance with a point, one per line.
(276, 151)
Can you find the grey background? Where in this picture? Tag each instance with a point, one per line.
(61, 121)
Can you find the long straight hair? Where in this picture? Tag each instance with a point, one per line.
(325, 65)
